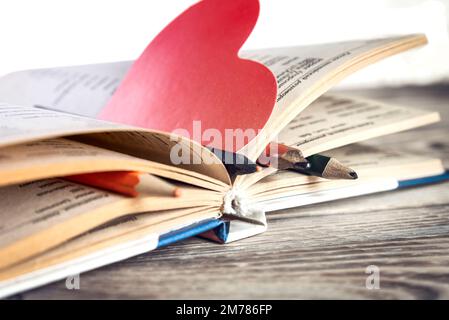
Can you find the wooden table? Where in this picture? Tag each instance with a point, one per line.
(318, 251)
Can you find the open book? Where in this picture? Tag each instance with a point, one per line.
(52, 227)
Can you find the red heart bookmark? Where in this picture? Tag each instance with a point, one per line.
(191, 72)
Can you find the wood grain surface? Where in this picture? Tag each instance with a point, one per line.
(318, 251)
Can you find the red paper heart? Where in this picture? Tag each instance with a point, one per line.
(191, 71)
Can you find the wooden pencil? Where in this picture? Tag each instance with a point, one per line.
(291, 158)
(128, 183)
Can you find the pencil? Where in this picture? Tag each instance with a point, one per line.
(128, 183)
(291, 158)
(283, 157)
(235, 163)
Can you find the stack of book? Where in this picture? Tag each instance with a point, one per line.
(99, 163)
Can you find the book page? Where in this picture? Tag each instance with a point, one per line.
(113, 233)
(296, 68)
(333, 121)
(364, 157)
(62, 157)
(35, 206)
(19, 124)
(39, 215)
(305, 73)
(300, 196)
(82, 90)
(85, 89)
(368, 161)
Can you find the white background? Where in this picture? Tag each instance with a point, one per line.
(49, 33)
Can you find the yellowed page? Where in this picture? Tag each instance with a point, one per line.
(305, 73)
(160, 147)
(20, 124)
(37, 216)
(61, 157)
(367, 161)
(110, 234)
(333, 121)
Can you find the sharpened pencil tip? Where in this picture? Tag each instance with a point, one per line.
(177, 193)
